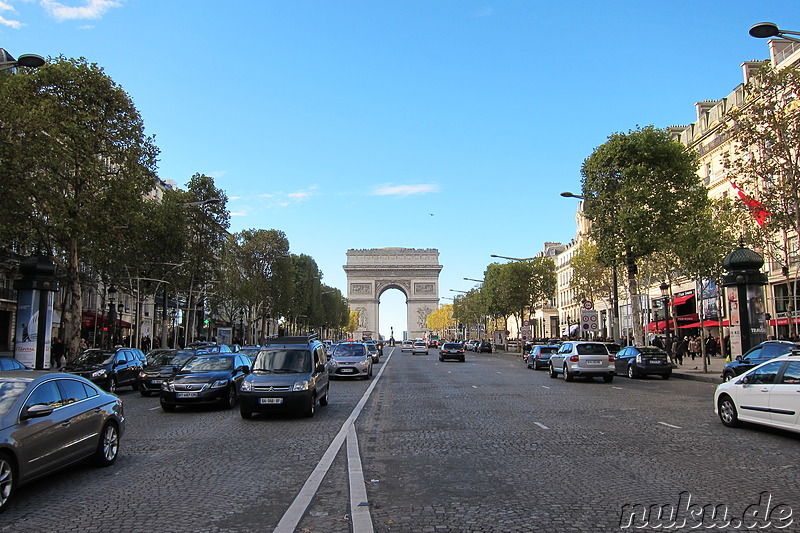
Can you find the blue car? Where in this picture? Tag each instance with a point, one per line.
(760, 353)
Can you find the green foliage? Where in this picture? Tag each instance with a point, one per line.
(590, 276)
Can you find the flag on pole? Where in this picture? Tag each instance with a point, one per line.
(756, 208)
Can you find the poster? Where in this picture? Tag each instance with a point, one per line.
(27, 330)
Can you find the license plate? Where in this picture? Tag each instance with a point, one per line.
(347, 370)
(157, 381)
(593, 362)
(270, 400)
(656, 362)
(187, 394)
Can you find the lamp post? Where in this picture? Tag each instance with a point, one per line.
(765, 30)
(665, 298)
(454, 290)
(473, 279)
(513, 258)
(112, 293)
(7, 61)
(615, 283)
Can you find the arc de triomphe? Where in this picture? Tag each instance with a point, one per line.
(415, 272)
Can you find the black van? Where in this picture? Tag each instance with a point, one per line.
(289, 373)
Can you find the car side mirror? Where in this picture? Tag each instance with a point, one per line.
(739, 358)
(744, 380)
(37, 411)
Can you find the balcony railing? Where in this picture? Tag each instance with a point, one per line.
(8, 294)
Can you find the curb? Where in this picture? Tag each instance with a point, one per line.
(708, 378)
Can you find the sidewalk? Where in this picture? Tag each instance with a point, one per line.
(694, 370)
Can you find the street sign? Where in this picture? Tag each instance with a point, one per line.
(587, 304)
(589, 320)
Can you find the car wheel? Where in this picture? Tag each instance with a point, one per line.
(727, 377)
(135, 385)
(311, 408)
(111, 385)
(727, 412)
(666, 376)
(567, 375)
(145, 392)
(441, 359)
(7, 480)
(553, 373)
(463, 359)
(324, 400)
(245, 413)
(631, 372)
(169, 407)
(108, 447)
(230, 399)
(608, 379)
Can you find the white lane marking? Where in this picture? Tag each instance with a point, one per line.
(670, 425)
(540, 425)
(291, 518)
(474, 386)
(359, 505)
(154, 408)
(618, 388)
(545, 387)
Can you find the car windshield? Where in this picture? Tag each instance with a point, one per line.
(160, 357)
(10, 389)
(290, 361)
(349, 350)
(548, 349)
(451, 346)
(209, 364)
(95, 357)
(592, 349)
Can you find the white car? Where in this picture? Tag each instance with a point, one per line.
(419, 347)
(407, 346)
(582, 359)
(769, 394)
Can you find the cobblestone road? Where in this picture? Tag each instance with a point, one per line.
(481, 446)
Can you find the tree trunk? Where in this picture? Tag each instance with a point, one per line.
(636, 308)
(72, 327)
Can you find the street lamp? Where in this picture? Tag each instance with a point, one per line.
(765, 30)
(513, 258)
(472, 279)
(454, 290)
(615, 288)
(665, 295)
(7, 61)
(112, 292)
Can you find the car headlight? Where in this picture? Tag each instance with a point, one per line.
(167, 386)
(219, 383)
(363, 363)
(300, 385)
(639, 358)
(246, 386)
(334, 363)
(99, 373)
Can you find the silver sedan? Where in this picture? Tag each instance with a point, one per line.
(52, 420)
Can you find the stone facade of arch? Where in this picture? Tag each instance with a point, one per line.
(415, 272)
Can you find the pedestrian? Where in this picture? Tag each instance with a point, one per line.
(711, 346)
(693, 347)
(56, 353)
(657, 342)
(84, 345)
(680, 349)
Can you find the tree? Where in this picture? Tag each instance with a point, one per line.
(441, 319)
(590, 276)
(75, 165)
(763, 162)
(639, 189)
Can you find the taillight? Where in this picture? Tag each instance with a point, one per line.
(611, 358)
(574, 358)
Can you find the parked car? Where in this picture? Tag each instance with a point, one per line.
(539, 356)
(290, 373)
(407, 346)
(766, 394)
(758, 354)
(9, 363)
(109, 369)
(452, 350)
(250, 351)
(206, 379)
(51, 420)
(419, 347)
(641, 361)
(484, 347)
(162, 364)
(582, 359)
(470, 345)
(351, 359)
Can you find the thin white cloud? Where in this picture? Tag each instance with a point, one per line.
(5, 6)
(91, 9)
(238, 214)
(405, 190)
(233, 198)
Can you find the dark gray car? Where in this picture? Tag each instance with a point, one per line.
(51, 420)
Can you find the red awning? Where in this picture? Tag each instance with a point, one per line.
(89, 319)
(660, 325)
(783, 321)
(679, 300)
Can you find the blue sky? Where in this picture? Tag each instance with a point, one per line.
(423, 124)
